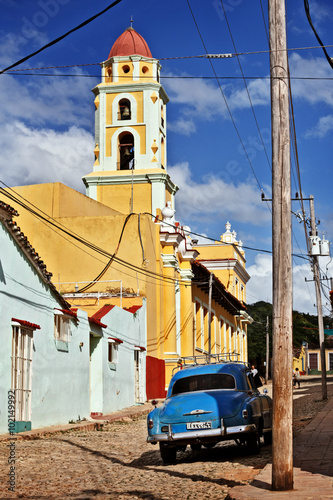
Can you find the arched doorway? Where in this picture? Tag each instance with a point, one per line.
(126, 151)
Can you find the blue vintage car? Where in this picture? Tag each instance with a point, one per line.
(208, 403)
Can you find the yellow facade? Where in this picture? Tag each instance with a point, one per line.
(105, 248)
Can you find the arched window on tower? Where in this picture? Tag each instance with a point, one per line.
(126, 151)
(124, 111)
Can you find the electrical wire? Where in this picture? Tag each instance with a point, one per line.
(246, 86)
(60, 227)
(101, 274)
(307, 11)
(157, 219)
(174, 77)
(113, 4)
(225, 101)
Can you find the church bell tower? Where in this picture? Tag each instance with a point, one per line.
(130, 169)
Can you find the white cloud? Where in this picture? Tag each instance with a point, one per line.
(260, 285)
(322, 128)
(31, 155)
(312, 91)
(43, 130)
(204, 99)
(38, 100)
(182, 126)
(216, 197)
(319, 12)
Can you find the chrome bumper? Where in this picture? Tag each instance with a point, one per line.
(199, 434)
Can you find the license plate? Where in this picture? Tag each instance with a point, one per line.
(199, 425)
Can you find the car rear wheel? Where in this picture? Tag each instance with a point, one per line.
(168, 453)
(268, 437)
(253, 443)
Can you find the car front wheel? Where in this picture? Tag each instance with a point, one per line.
(168, 453)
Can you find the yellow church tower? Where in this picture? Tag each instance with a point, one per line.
(130, 169)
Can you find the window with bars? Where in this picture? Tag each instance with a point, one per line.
(22, 348)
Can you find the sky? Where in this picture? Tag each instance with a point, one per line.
(47, 122)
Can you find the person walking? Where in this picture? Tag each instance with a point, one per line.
(297, 378)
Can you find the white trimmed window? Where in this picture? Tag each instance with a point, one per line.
(62, 327)
(113, 345)
(113, 353)
(22, 348)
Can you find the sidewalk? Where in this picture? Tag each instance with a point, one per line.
(313, 466)
(92, 424)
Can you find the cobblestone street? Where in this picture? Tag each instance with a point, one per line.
(117, 463)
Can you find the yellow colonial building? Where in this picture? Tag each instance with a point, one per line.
(120, 242)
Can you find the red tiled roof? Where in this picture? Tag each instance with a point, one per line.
(6, 217)
(26, 323)
(102, 312)
(132, 309)
(68, 311)
(97, 322)
(141, 348)
(116, 340)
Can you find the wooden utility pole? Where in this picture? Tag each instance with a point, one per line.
(282, 460)
(267, 350)
(316, 277)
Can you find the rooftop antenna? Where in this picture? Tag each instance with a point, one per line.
(131, 21)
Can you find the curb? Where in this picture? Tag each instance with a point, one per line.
(97, 424)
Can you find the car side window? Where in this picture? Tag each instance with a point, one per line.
(252, 382)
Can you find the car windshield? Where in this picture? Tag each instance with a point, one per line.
(206, 382)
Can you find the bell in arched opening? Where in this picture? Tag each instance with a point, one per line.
(124, 109)
(126, 114)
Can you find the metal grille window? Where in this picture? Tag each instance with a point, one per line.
(62, 328)
(22, 344)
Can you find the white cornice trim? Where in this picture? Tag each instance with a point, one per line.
(168, 239)
(186, 274)
(116, 88)
(227, 264)
(169, 260)
(154, 177)
(244, 317)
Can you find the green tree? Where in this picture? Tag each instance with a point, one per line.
(305, 329)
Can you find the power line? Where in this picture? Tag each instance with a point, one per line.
(255, 52)
(61, 37)
(307, 11)
(173, 77)
(246, 87)
(203, 56)
(224, 97)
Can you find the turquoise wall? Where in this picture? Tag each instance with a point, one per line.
(66, 385)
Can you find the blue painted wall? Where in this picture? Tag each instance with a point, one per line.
(65, 384)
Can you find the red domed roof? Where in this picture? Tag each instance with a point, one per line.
(130, 43)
